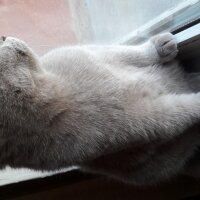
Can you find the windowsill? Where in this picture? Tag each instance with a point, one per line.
(10, 175)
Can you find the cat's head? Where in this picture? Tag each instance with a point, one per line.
(18, 66)
(23, 103)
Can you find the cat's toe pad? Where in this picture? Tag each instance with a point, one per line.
(165, 45)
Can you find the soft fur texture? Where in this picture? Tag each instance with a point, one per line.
(129, 112)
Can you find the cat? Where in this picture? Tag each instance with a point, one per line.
(127, 112)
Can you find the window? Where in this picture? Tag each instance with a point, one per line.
(128, 21)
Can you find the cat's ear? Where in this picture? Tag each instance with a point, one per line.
(21, 52)
(20, 47)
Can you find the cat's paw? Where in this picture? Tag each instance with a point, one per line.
(166, 46)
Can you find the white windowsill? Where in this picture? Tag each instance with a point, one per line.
(10, 175)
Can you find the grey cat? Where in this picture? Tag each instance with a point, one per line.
(129, 112)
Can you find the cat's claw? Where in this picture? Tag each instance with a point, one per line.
(166, 46)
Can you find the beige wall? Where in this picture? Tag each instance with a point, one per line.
(44, 24)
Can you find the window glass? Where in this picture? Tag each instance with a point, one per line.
(117, 20)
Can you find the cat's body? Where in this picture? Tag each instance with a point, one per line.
(128, 112)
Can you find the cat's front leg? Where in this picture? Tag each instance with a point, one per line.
(158, 49)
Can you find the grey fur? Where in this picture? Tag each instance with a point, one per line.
(129, 112)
